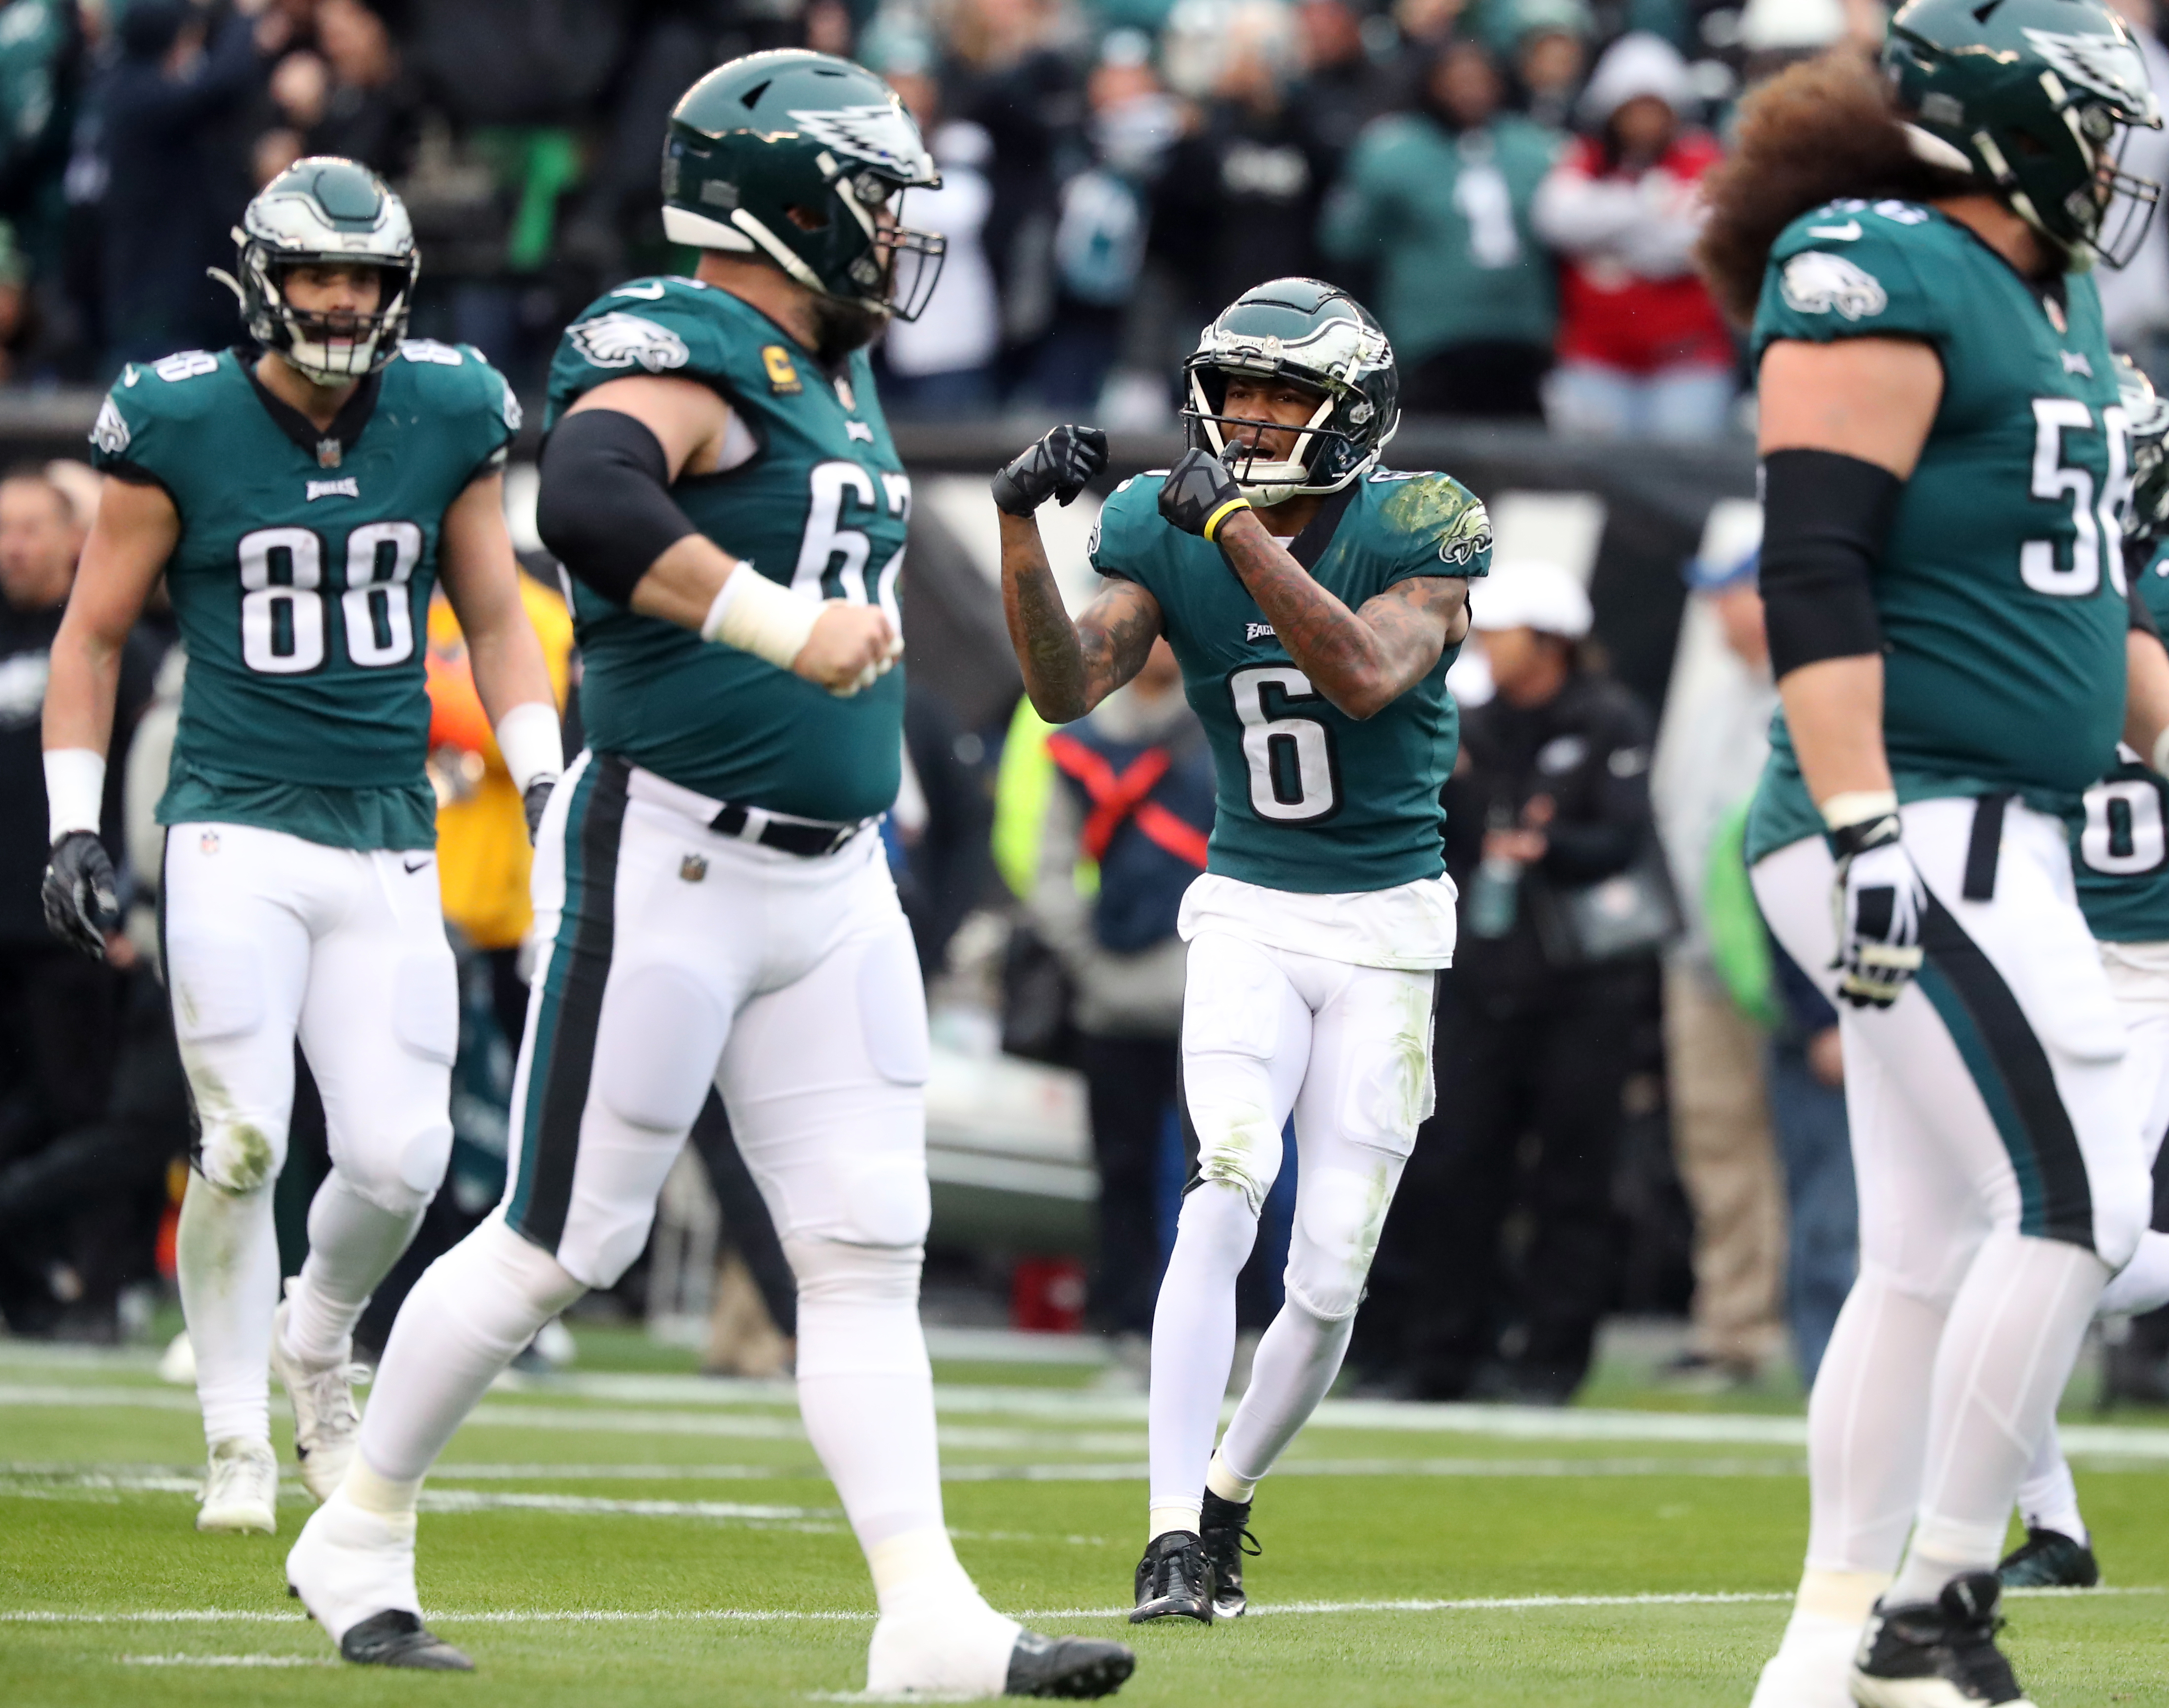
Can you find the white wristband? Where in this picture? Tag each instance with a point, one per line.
(532, 742)
(2159, 758)
(75, 790)
(755, 615)
(1857, 806)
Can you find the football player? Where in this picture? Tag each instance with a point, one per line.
(1946, 464)
(710, 884)
(2121, 859)
(1314, 600)
(301, 502)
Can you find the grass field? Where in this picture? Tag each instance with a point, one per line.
(633, 1535)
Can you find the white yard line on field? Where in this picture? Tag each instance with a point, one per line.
(629, 1403)
(1483, 1603)
(180, 1660)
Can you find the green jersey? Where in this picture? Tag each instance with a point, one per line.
(814, 495)
(302, 580)
(1308, 799)
(2120, 852)
(2001, 587)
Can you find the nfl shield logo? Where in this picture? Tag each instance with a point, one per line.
(693, 868)
(329, 453)
(209, 843)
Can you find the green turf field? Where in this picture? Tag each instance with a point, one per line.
(633, 1535)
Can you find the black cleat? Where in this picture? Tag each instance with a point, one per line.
(1174, 1581)
(2049, 1560)
(1222, 1527)
(1935, 1654)
(397, 1638)
(1072, 1666)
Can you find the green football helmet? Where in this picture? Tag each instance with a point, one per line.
(2037, 96)
(2147, 516)
(1320, 337)
(326, 212)
(791, 156)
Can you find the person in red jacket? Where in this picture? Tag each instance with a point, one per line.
(1643, 351)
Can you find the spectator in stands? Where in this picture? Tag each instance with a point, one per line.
(1436, 203)
(1643, 350)
(1550, 45)
(1130, 814)
(58, 1012)
(1236, 201)
(177, 179)
(943, 363)
(1007, 74)
(342, 97)
(1709, 759)
(1343, 87)
(1536, 1032)
(1102, 225)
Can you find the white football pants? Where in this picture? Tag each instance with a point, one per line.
(1265, 1033)
(269, 938)
(2002, 1177)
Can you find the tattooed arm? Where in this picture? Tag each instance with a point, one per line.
(1069, 668)
(1361, 661)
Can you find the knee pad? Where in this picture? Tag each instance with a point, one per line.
(240, 1156)
(1339, 1215)
(2120, 1221)
(830, 1271)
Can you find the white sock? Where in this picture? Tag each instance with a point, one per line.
(1813, 1666)
(2141, 1285)
(2047, 1499)
(466, 1319)
(1193, 1346)
(352, 1244)
(865, 1387)
(1296, 1363)
(1868, 1429)
(227, 1257)
(2007, 1349)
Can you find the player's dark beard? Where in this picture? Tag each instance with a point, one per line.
(840, 328)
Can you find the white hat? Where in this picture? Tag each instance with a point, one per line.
(1636, 65)
(1778, 26)
(1527, 592)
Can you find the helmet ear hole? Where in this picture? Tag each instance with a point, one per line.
(806, 219)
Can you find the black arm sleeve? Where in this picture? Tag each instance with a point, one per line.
(1826, 516)
(605, 509)
(2137, 554)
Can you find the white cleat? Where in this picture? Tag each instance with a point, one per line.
(354, 1572)
(241, 1489)
(325, 1421)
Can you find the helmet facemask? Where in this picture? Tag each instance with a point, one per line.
(2105, 211)
(1338, 356)
(1265, 481)
(327, 348)
(2147, 414)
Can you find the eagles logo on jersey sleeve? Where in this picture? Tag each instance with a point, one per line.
(1444, 522)
(1852, 269)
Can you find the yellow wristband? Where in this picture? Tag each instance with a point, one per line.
(1213, 522)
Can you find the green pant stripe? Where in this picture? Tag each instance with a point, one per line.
(569, 1007)
(2015, 1080)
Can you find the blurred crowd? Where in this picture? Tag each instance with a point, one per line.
(1510, 183)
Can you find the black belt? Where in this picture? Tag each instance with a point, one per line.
(804, 837)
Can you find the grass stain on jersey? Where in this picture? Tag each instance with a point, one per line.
(1432, 507)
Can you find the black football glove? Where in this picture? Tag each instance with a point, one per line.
(1200, 495)
(533, 802)
(1056, 467)
(82, 896)
(1878, 899)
